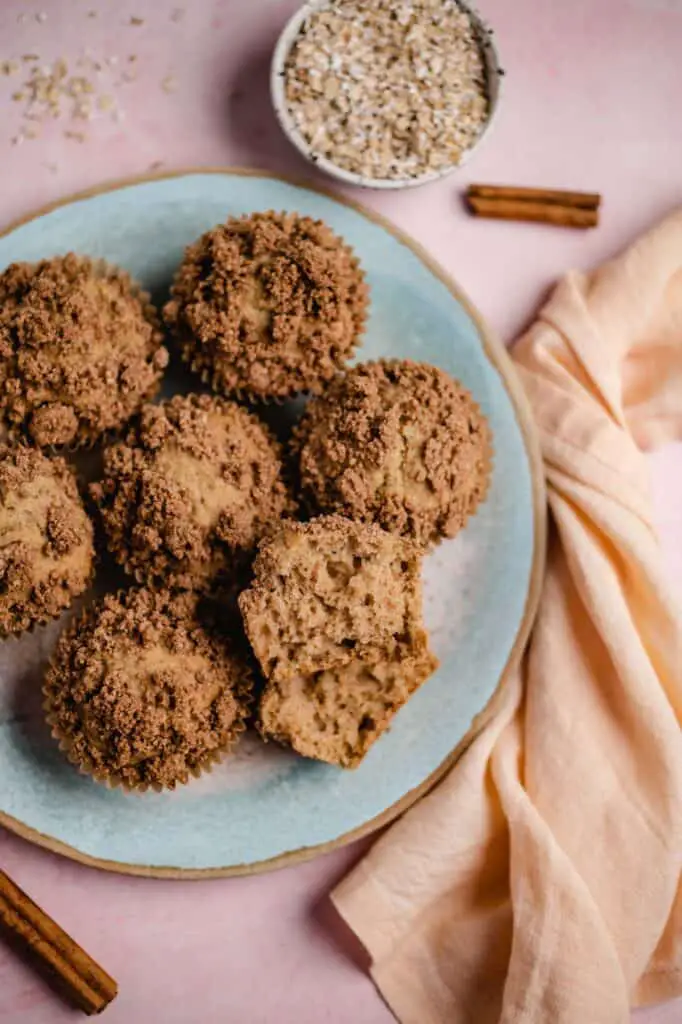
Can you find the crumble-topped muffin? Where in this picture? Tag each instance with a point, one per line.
(268, 305)
(80, 349)
(141, 692)
(335, 715)
(396, 443)
(185, 498)
(46, 539)
(328, 592)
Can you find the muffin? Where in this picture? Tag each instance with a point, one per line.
(142, 693)
(189, 492)
(336, 714)
(46, 539)
(334, 618)
(268, 305)
(396, 443)
(80, 350)
(327, 592)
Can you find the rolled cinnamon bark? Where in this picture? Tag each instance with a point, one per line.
(559, 197)
(544, 213)
(76, 974)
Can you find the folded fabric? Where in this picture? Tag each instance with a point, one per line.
(540, 882)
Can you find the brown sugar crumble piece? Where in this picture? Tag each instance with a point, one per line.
(396, 443)
(326, 592)
(46, 539)
(80, 350)
(141, 692)
(268, 305)
(334, 617)
(185, 498)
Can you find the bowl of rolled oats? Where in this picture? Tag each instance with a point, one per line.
(386, 93)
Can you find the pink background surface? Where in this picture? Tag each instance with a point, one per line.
(591, 100)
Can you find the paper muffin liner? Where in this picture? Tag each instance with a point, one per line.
(102, 268)
(210, 376)
(243, 693)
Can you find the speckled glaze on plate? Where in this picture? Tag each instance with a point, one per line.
(265, 807)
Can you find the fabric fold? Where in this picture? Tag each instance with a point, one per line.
(540, 881)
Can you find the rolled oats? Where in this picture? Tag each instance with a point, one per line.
(388, 88)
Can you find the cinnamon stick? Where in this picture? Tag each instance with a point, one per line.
(558, 197)
(87, 985)
(545, 213)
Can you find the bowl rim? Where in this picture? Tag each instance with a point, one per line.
(281, 51)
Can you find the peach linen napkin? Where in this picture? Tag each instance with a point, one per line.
(540, 881)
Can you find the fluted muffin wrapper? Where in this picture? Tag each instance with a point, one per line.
(243, 694)
(103, 268)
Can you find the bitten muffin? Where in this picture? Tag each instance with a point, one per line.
(80, 350)
(142, 693)
(396, 443)
(327, 592)
(334, 617)
(335, 715)
(268, 305)
(185, 498)
(46, 539)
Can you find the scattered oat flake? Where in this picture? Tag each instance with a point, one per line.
(28, 57)
(137, 21)
(51, 93)
(9, 67)
(83, 111)
(92, 14)
(77, 136)
(169, 84)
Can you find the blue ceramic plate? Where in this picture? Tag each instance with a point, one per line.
(265, 806)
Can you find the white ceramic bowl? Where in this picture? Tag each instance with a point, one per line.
(286, 40)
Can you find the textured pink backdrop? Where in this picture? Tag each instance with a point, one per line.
(592, 100)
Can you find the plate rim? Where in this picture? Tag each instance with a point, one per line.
(499, 357)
